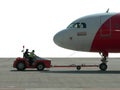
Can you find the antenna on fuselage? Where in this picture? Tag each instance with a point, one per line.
(107, 10)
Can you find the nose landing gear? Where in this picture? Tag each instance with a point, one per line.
(103, 65)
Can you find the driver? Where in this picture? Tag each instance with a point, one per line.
(26, 55)
(31, 57)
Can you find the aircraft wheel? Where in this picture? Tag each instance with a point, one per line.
(78, 67)
(20, 66)
(103, 67)
(40, 67)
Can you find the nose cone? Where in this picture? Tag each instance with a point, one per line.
(58, 38)
(63, 40)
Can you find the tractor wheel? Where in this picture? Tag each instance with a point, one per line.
(40, 67)
(20, 66)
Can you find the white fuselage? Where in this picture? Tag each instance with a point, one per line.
(80, 34)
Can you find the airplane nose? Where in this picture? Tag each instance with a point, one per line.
(58, 38)
(64, 39)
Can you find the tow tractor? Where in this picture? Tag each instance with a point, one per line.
(21, 63)
(40, 64)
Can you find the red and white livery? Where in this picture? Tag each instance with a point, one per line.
(92, 33)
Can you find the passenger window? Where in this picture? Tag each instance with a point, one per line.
(117, 26)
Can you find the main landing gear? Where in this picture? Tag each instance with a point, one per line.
(103, 65)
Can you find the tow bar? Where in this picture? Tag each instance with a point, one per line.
(78, 67)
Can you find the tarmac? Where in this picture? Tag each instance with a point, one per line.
(88, 78)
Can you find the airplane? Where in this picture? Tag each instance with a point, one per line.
(92, 33)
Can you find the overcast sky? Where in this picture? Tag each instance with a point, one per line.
(33, 23)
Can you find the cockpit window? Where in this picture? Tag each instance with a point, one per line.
(77, 25)
(83, 25)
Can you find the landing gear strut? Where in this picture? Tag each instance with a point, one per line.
(103, 65)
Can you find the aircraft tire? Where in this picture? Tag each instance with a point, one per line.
(103, 67)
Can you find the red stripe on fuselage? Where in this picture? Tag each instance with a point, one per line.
(108, 36)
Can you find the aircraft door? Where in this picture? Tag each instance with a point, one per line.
(106, 27)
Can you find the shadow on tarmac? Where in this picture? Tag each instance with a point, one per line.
(73, 72)
(28, 71)
(83, 72)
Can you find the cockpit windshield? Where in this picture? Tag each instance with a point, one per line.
(77, 25)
